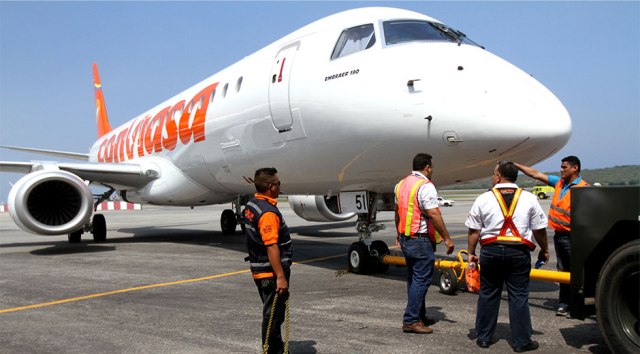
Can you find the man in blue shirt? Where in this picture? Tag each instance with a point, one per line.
(560, 216)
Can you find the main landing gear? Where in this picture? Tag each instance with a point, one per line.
(365, 256)
(231, 218)
(98, 224)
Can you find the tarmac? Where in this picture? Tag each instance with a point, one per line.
(168, 281)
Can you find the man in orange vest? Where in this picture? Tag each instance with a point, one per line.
(420, 227)
(270, 252)
(505, 220)
(560, 217)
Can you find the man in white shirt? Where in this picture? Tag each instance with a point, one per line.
(420, 227)
(505, 221)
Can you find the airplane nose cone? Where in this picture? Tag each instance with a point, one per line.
(527, 121)
(536, 113)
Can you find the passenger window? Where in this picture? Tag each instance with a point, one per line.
(213, 95)
(354, 39)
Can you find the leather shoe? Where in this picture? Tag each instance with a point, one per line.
(483, 344)
(416, 327)
(533, 345)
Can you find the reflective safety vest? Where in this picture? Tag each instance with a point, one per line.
(508, 224)
(409, 208)
(258, 258)
(560, 212)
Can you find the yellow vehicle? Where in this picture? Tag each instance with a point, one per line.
(543, 192)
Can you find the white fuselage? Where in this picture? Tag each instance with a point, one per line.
(332, 125)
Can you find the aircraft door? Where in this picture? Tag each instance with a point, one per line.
(279, 87)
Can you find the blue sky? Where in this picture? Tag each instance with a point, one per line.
(587, 53)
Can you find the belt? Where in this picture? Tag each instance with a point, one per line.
(510, 245)
(419, 235)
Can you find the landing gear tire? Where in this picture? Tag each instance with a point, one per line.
(75, 237)
(617, 299)
(99, 228)
(379, 249)
(448, 282)
(542, 196)
(359, 259)
(228, 222)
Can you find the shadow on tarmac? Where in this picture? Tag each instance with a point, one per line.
(303, 346)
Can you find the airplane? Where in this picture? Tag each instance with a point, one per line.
(339, 107)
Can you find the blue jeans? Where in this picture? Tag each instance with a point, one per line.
(511, 265)
(562, 244)
(420, 258)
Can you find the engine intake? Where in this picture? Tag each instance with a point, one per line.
(50, 202)
(317, 208)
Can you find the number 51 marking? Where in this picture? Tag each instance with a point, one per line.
(354, 202)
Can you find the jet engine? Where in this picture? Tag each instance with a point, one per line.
(317, 208)
(50, 202)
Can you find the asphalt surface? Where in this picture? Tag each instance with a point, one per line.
(168, 281)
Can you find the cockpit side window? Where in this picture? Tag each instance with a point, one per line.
(354, 39)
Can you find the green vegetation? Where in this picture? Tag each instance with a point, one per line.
(611, 176)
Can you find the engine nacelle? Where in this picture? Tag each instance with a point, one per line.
(317, 208)
(50, 202)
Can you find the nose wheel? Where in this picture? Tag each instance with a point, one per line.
(359, 258)
(363, 259)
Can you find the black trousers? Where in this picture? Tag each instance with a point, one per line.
(562, 243)
(500, 264)
(267, 291)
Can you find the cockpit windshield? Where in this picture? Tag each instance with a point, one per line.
(402, 31)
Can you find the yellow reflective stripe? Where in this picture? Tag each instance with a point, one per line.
(514, 202)
(398, 189)
(407, 224)
(437, 236)
(508, 238)
(500, 201)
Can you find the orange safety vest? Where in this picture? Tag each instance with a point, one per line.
(508, 224)
(409, 209)
(560, 212)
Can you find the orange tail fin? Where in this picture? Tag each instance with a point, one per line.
(102, 120)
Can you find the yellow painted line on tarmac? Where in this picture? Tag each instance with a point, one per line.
(159, 285)
(144, 287)
(319, 259)
(137, 288)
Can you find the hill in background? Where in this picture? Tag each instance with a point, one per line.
(611, 176)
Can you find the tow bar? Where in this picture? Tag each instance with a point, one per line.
(452, 272)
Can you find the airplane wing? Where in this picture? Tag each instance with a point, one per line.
(118, 175)
(69, 155)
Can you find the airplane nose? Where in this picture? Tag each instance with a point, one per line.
(525, 119)
(545, 120)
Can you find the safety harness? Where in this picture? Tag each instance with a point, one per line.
(508, 224)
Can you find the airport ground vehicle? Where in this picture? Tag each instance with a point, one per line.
(605, 262)
(543, 192)
(445, 202)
